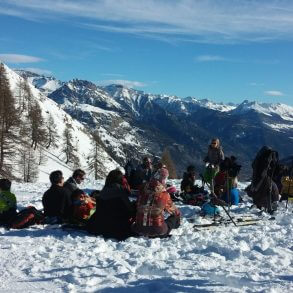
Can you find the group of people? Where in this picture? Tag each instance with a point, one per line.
(110, 212)
(113, 213)
(220, 175)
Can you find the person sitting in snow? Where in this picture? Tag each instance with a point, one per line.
(114, 211)
(7, 202)
(72, 182)
(226, 181)
(188, 182)
(191, 192)
(57, 200)
(83, 206)
(152, 203)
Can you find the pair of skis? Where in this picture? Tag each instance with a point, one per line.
(246, 221)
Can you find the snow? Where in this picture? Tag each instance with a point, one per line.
(90, 108)
(282, 110)
(255, 258)
(205, 103)
(279, 127)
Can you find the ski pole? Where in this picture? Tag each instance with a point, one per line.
(229, 215)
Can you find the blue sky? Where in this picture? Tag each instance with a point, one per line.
(223, 50)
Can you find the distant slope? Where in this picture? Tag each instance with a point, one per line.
(133, 123)
(81, 136)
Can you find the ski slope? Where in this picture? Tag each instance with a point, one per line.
(256, 258)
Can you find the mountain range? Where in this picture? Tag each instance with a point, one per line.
(132, 123)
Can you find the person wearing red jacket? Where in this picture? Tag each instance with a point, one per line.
(152, 203)
(83, 206)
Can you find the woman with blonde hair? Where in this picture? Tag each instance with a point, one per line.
(215, 153)
(213, 159)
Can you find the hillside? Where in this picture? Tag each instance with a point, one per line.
(132, 123)
(82, 139)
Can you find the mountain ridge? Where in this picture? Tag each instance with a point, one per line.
(133, 123)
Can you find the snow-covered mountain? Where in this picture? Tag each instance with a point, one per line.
(185, 126)
(46, 84)
(82, 139)
(285, 112)
(133, 123)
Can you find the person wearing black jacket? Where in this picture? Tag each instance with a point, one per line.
(76, 178)
(57, 200)
(114, 210)
(188, 183)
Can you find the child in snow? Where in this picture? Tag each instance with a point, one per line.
(83, 206)
(7, 202)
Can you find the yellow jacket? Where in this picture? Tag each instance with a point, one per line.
(7, 201)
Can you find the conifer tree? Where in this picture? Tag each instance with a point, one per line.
(38, 132)
(167, 160)
(52, 134)
(68, 147)
(21, 94)
(42, 159)
(28, 165)
(9, 122)
(94, 159)
(28, 97)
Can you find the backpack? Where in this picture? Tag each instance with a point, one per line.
(209, 209)
(264, 164)
(210, 173)
(27, 217)
(287, 186)
(264, 167)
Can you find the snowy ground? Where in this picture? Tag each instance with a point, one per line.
(222, 259)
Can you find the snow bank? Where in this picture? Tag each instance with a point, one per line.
(222, 259)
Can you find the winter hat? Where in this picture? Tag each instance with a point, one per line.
(162, 175)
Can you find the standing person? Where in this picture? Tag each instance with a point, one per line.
(215, 153)
(7, 202)
(114, 210)
(143, 173)
(57, 200)
(77, 177)
(152, 203)
(213, 158)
